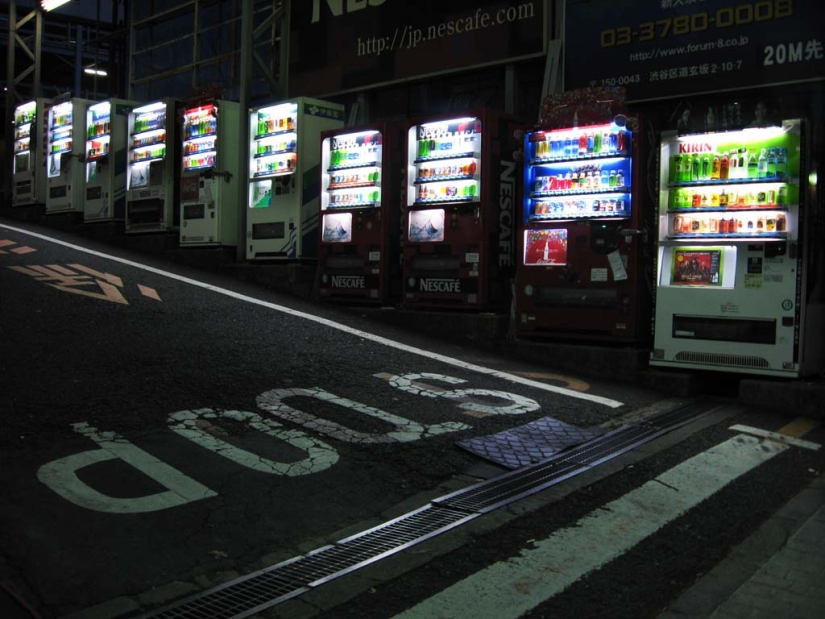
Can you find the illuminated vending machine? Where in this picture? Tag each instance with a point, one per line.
(208, 189)
(461, 202)
(733, 278)
(65, 173)
(153, 167)
(579, 274)
(29, 176)
(284, 176)
(106, 150)
(359, 252)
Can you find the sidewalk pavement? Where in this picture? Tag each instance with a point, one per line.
(777, 573)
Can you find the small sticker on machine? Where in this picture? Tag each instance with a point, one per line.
(375, 256)
(471, 257)
(753, 280)
(598, 275)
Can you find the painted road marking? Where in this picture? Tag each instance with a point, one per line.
(573, 383)
(509, 589)
(68, 280)
(334, 325)
(776, 436)
(24, 249)
(61, 476)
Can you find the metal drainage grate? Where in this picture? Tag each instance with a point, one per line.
(260, 590)
(722, 359)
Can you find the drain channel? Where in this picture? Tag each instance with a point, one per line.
(274, 585)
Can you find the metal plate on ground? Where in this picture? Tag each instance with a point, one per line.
(530, 443)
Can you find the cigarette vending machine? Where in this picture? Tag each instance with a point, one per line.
(106, 127)
(359, 251)
(29, 176)
(733, 278)
(65, 173)
(579, 274)
(154, 167)
(208, 189)
(284, 175)
(461, 199)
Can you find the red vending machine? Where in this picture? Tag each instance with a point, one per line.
(359, 239)
(580, 247)
(461, 196)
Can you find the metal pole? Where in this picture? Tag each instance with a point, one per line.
(78, 61)
(9, 119)
(247, 43)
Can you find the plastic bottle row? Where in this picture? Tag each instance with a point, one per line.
(61, 120)
(97, 148)
(447, 192)
(573, 208)
(274, 166)
(360, 197)
(25, 116)
(194, 126)
(150, 153)
(158, 138)
(61, 145)
(580, 181)
(736, 164)
(585, 144)
(98, 127)
(444, 147)
(150, 121)
(355, 179)
(361, 155)
(466, 169)
(198, 147)
(275, 146)
(199, 161)
(746, 197)
(745, 223)
(268, 124)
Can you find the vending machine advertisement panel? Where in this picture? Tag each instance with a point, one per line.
(30, 133)
(208, 190)
(359, 251)
(65, 172)
(106, 156)
(731, 289)
(579, 268)
(154, 167)
(284, 174)
(461, 199)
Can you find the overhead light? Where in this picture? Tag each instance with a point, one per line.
(93, 71)
(51, 5)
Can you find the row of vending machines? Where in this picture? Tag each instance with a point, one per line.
(471, 212)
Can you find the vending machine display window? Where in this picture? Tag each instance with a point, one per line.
(60, 136)
(352, 164)
(545, 247)
(200, 137)
(578, 173)
(24, 118)
(274, 140)
(445, 161)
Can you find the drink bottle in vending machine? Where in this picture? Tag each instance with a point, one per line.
(461, 200)
(359, 245)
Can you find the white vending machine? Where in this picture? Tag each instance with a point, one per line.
(735, 255)
(64, 157)
(153, 167)
(285, 177)
(106, 150)
(28, 174)
(208, 189)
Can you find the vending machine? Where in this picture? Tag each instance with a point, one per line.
(733, 282)
(65, 173)
(154, 167)
(359, 253)
(284, 175)
(106, 155)
(461, 199)
(579, 273)
(209, 176)
(28, 173)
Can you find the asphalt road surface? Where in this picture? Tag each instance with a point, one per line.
(164, 430)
